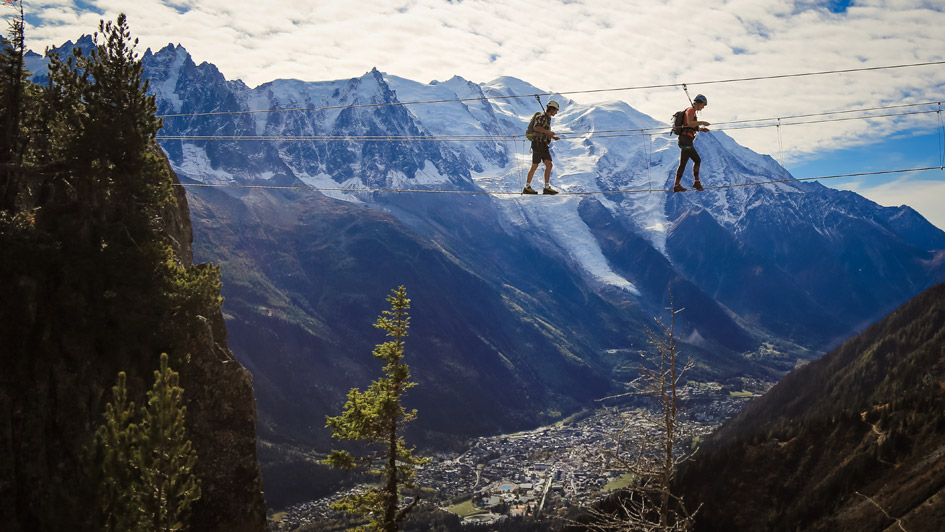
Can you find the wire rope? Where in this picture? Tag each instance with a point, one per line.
(512, 193)
(591, 91)
(613, 133)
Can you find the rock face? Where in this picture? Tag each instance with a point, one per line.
(221, 412)
(58, 362)
(222, 415)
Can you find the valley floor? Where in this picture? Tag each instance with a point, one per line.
(542, 470)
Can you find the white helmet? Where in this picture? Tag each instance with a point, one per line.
(552, 103)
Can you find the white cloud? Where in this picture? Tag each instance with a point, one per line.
(566, 45)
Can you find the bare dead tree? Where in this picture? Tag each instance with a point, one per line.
(651, 446)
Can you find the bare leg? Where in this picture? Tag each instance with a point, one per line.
(531, 174)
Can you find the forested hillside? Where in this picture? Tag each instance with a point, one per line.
(96, 279)
(853, 441)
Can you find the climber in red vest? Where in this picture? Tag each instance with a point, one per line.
(687, 136)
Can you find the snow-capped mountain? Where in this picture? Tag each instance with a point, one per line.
(793, 265)
(525, 307)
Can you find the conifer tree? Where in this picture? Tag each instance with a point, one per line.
(111, 187)
(165, 456)
(116, 441)
(102, 129)
(121, 122)
(12, 86)
(83, 187)
(144, 471)
(376, 416)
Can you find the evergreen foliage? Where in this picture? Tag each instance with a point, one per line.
(102, 124)
(86, 192)
(13, 75)
(144, 470)
(165, 456)
(376, 416)
(114, 449)
(93, 284)
(85, 181)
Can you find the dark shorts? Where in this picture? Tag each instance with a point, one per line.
(540, 152)
(685, 141)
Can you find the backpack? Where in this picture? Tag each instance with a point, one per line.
(679, 119)
(530, 130)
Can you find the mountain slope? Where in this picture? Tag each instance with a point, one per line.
(862, 426)
(310, 339)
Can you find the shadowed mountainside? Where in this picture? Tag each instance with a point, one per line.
(832, 443)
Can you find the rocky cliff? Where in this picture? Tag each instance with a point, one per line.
(221, 411)
(64, 335)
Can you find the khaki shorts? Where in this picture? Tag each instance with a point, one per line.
(540, 151)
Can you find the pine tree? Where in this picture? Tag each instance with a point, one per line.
(144, 471)
(115, 446)
(101, 140)
(165, 456)
(109, 188)
(12, 87)
(376, 416)
(83, 187)
(121, 123)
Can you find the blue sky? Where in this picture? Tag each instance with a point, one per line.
(838, 6)
(575, 45)
(923, 191)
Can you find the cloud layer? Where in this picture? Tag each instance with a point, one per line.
(562, 45)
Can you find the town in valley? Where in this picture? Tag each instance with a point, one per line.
(548, 469)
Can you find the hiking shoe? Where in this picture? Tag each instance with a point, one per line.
(549, 190)
(697, 185)
(679, 188)
(529, 190)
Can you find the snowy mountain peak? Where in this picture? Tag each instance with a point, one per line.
(166, 67)
(476, 142)
(364, 133)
